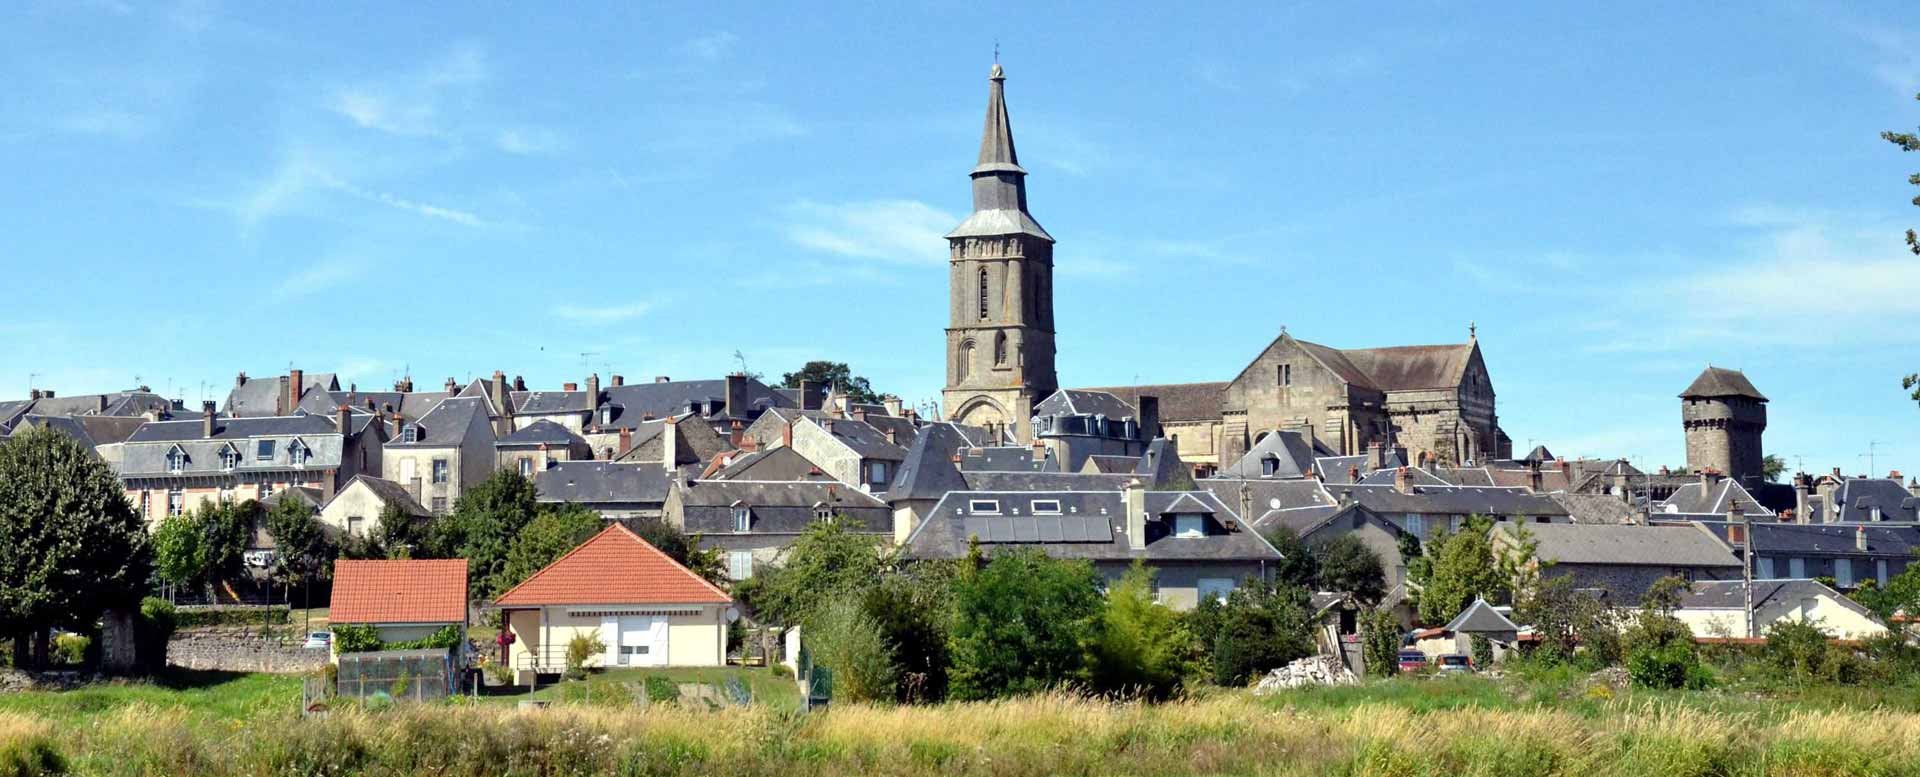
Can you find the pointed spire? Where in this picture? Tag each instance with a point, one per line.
(996, 139)
(999, 182)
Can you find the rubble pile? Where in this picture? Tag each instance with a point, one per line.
(1315, 670)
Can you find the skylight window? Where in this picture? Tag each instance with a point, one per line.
(1046, 507)
(986, 506)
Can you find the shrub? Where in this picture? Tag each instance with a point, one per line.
(1666, 667)
(1482, 651)
(152, 631)
(661, 689)
(1802, 652)
(1261, 627)
(1138, 647)
(355, 638)
(912, 609)
(1021, 624)
(1380, 642)
(848, 642)
(199, 617)
(1347, 565)
(70, 649)
(583, 646)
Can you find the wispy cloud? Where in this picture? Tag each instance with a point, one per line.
(710, 48)
(604, 314)
(301, 173)
(1894, 55)
(529, 140)
(320, 276)
(904, 231)
(412, 104)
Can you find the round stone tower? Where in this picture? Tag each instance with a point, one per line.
(1724, 416)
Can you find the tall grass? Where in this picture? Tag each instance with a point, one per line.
(1224, 733)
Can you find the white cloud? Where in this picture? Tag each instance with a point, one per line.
(320, 276)
(903, 231)
(604, 314)
(710, 48)
(412, 104)
(301, 173)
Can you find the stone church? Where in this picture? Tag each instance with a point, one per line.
(1437, 401)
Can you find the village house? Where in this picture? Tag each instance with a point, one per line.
(754, 521)
(171, 467)
(616, 490)
(1619, 563)
(1718, 608)
(404, 600)
(356, 510)
(443, 453)
(539, 445)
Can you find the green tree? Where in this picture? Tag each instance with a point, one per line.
(851, 643)
(912, 609)
(1297, 565)
(226, 529)
(482, 526)
(1021, 624)
(1772, 467)
(827, 562)
(1139, 645)
(302, 550)
(1261, 627)
(684, 548)
(550, 535)
(179, 550)
(1347, 565)
(70, 543)
(837, 375)
(1902, 593)
(1466, 565)
(1380, 641)
(1660, 648)
(1566, 618)
(1908, 141)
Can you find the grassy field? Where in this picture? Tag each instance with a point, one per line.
(1460, 726)
(617, 687)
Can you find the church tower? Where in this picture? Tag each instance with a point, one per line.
(1000, 335)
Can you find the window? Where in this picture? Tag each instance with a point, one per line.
(1046, 507)
(823, 513)
(986, 506)
(526, 467)
(742, 519)
(263, 451)
(229, 458)
(1153, 587)
(1189, 526)
(266, 491)
(1417, 525)
(1269, 466)
(176, 501)
(176, 460)
(740, 564)
(1000, 349)
(606, 415)
(1215, 588)
(439, 504)
(1453, 523)
(983, 294)
(439, 470)
(1879, 569)
(877, 473)
(1874, 514)
(1843, 573)
(410, 433)
(146, 514)
(1764, 568)
(1796, 568)
(354, 522)
(1284, 376)
(297, 454)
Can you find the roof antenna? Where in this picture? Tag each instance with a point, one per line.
(742, 358)
(996, 51)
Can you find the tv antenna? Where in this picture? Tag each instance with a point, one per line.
(742, 359)
(1872, 448)
(586, 358)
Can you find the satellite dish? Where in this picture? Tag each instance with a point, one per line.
(1273, 504)
(733, 614)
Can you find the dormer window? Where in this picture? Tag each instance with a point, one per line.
(823, 513)
(297, 453)
(176, 460)
(229, 458)
(742, 519)
(606, 415)
(1269, 466)
(1046, 507)
(983, 506)
(410, 433)
(1874, 514)
(1189, 526)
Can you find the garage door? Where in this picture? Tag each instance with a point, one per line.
(638, 640)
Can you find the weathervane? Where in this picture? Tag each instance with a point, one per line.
(996, 51)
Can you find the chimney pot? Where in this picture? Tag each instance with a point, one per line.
(343, 420)
(240, 380)
(296, 380)
(206, 419)
(1860, 538)
(662, 379)
(626, 440)
(569, 387)
(452, 386)
(619, 380)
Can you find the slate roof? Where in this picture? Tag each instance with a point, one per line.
(614, 567)
(1111, 465)
(1464, 476)
(1451, 500)
(400, 591)
(1268, 495)
(1415, 476)
(1291, 452)
(1856, 498)
(1884, 540)
(1539, 455)
(1085, 402)
(778, 506)
(1044, 481)
(1603, 509)
(1336, 361)
(1178, 401)
(446, 426)
(675, 397)
(261, 396)
(1160, 466)
(1663, 546)
(1088, 525)
(1009, 458)
(147, 449)
(233, 428)
(1482, 618)
(67, 425)
(593, 483)
(1413, 367)
(1303, 520)
(928, 471)
(1722, 382)
(752, 465)
(1772, 599)
(541, 432)
(1702, 499)
(862, 438)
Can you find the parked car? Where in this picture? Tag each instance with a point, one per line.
(318, 640)
(1413, 661)
(1454, 662)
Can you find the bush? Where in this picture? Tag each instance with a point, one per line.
(355, 638)
(1482, 651)
(1138, 648)
(152, 631)
(1261, 627)
(1020, 625)
(1666, 667)
(70, 649)
(847, 641)
(584, 645)
(1802, 652)
(1380, 642)
(912, 609)
(661, 689)
(200, 617)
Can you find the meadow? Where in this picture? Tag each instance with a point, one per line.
(249, 724)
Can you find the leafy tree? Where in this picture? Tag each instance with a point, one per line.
(1660, 648)
(1297, 565)
(1138, 647)
(825, 563)
(845, 639)
(550, 535)
(835, 374)
(70, 543)
(179, 550)
(1565, 619)
(1901, 593)
(683, 548)
(1380, 642)
(912, 609)
(482, 526)
(396, 535)
(1419, 568)
(1347, 565)
(1800, 651)
(226, 529)
(1021, 624)
(1261, 627)
(1772, 467)
(302, 550)
(1908, 141)
(1466, 566)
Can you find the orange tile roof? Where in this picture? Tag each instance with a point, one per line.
(402, 591)
(614, 567)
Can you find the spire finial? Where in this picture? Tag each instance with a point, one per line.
(1473, 331)
(996, 51)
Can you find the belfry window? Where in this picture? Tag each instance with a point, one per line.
(983, 294)
(1000, 348)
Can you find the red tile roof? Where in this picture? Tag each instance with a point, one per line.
(614, 567)
(405, 591)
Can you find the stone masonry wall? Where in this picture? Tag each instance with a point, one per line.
(241, 649)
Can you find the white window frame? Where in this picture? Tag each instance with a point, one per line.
(983, 506)
(1417, 525)
(526, 466)
(742, 519)
(1046, 507)
(176, 461)
(740, 564)
(440, 470)
(176, 501)
(1217, 587)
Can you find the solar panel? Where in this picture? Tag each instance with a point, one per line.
(1051, 529)
(1001, 527)
(1025, 531)
(975, 527)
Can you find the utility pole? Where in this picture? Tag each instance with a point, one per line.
(1746, 570)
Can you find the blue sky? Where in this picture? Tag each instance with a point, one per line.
(1617, 199)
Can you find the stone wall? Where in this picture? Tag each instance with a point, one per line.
(241, 649)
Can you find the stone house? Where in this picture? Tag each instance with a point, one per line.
(356, 509)
(1314, 527)
(616, 490)
(1620, 563)
(1848, 554)
(539, 445)
(1427, 511)
(443, 453)
(850, 451)
(1718, 608)
(754, 521)
(171, 467)
(1076, 425)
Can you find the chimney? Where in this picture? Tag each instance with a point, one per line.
(498, 390)
(343, 420)
(812, 394)
(670, 443)
(1895, 476)
(100, 408)
(452, 386)
(860, 415)
(662, 379)
(519, 383)
(1860, 538)
(1149, 407)
(1136, 507)
(786, 435)
(240, 380)
(749, 444)
(619, 380)
(1913, 486)
(1736, 512)
(1353, 474)
(593, 398)
(370, 404)
(737, 405)
(1620, 483)
(404, 385)
(398, 423)
(1400, 481)
(296, 380)
(569, 387)
(841, 404)
(890, 437)
(206, 420)
(1802, 489)
(1376, 456)
(34, 394)
(735, 431)
(626, 441)
(892, 405)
